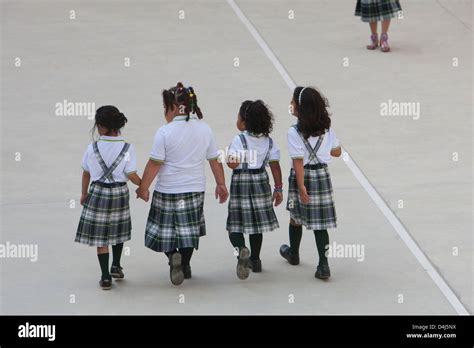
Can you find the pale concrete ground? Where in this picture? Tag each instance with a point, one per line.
(82, 60)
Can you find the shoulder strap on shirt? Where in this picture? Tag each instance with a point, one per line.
(100, 160)
(267, 156)
(245, 165)
(108, 173)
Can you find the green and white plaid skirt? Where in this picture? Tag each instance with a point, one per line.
(320, 213)
(175, 220)
(250, 205)
(377, 10)
(105, 218)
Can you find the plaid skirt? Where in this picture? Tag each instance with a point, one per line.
(320, 213)
(377, 10)
(105, 218)
(250, 205)
(175, 220)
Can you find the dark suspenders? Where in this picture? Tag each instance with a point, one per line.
(245, 165)
(312, 151)
(109, 170)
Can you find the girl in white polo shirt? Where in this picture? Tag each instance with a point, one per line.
(105, 220)
(311, 144)
(180, 149)
(251, 198)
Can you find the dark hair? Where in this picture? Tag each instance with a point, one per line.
(108, 116)
(181, 95)
(313, 116)
(257, 117)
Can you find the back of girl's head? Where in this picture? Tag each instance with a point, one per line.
(111, 118)
(311, 107)
(257, 117)
(184, 98)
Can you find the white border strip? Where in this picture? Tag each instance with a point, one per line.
(374, 195)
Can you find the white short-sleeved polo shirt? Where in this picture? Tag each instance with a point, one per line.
(182, 148)
(109, 149)
(297, 149)
(257, 150)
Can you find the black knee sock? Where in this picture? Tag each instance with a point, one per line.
(186, 254)
(322, 240)
(255, 245)
(237, 240)
(169, 253)
(295, 233)
(104, 265)
(116, 254)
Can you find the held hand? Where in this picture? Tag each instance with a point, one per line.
(221, 193)
(143, 194)
(304, 195)
(277, 198)
(83, 198)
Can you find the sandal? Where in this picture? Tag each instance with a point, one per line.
(384, 47)
(375, 42)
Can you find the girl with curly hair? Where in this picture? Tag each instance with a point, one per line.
(251, 197)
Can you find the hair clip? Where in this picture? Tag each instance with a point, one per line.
(299, 97)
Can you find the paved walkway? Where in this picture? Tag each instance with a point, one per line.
(407, 159)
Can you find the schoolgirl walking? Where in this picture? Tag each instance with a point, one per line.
(251, 197)
(311, 144)
(105, 220)
(180, 148)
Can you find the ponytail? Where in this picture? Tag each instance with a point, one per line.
(181, 95)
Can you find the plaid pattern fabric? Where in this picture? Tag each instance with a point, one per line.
(176, 220)
(105, 218)
(377, 10)
(320, 213)
(250, 205)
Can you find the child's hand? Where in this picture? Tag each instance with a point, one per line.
(83, 198)
(143, 194)
(304, 195)
(222, 193)
(277, 198)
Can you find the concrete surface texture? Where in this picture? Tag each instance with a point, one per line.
(420, 163)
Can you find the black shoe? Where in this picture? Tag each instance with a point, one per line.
(292, 259)
(187, 271)
(116, 272)
(176, 270)
(105, 284)
(255, 266)
(322, 272)
(243, 270)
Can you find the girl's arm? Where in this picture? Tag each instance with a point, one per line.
(299, 170)
(218, 171)
(134, 178)
(151, 170)
(86, 178)
(276, 173)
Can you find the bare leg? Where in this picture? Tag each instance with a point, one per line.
(102, 250)
(373, 27)
(385, 26)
